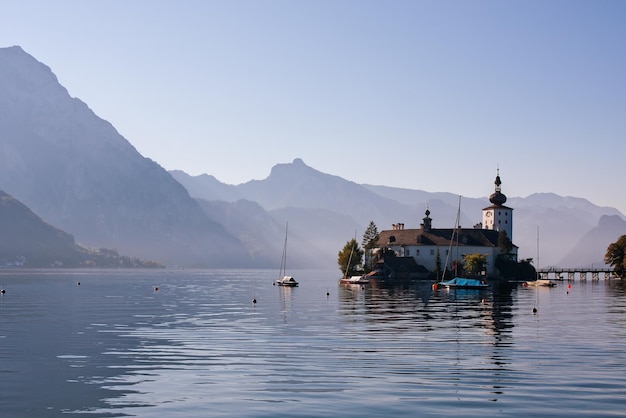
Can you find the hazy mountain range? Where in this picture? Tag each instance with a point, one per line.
(77, 173)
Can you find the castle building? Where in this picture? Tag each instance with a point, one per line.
(425, 244)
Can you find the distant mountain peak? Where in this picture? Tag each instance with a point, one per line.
(297, 166)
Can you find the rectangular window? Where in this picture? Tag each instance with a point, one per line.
(408, 252)
(417, 252)
(432, 252)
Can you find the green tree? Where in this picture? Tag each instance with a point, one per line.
(525, 270)
(349, 258)
(475, 263)
(504, 243)
(369, 242)
(370, 236)
(438, 263)
(616, 256)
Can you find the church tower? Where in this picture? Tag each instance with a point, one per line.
(497, 216)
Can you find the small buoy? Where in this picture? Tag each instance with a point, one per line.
(534, 310)
(484, 301)
(3, 291)
(327, 293)
(254, 300)
(156, 288)
(569, 285)
(77, 283)
(434, 286)
(273, 283)
(524, 284)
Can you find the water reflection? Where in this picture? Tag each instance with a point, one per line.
(425, 308)
(198, 347)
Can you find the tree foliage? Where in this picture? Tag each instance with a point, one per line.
(370, 236)
(522, 270)
(616, 256)
(438, 264)
(504, 243)
(475, 263)
(369, 242)
(349, 258)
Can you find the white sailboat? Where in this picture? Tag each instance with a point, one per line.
(283, 278)
(360, 279)
(458, 282)
(539, 281)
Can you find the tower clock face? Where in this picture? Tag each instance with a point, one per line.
(488, 214)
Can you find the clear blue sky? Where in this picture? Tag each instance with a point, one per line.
(430, 95)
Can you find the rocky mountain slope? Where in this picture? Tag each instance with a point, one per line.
(78, 173)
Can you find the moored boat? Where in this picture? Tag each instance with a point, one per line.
(541, 282)
(463, 283)
(287, 281)
(283, 279)
(362, 279)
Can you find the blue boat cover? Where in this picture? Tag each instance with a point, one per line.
(459, 281)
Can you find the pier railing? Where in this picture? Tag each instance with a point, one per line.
(581, 273)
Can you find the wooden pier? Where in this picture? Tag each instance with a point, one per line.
(581, 273)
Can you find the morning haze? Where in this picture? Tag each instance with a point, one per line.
(75, 171)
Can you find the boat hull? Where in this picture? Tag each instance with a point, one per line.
(287, 281)
(355, 280)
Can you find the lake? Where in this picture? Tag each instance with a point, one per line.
(106, 343)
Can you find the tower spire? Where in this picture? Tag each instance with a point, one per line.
(498, 198)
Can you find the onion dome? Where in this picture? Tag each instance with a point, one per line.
(498, 198)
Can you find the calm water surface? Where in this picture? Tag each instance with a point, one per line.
(197, 347)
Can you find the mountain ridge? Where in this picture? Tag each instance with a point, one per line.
(561, 219)
(78, 173)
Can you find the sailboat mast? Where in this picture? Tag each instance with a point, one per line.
(537, 251)
(345, 274)
(454, 231)
(458, 221)
(285, 249)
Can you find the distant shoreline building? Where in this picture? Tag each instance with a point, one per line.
(425, 244)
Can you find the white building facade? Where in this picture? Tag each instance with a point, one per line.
(426, 244)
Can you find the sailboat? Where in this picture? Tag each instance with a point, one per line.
(283, 279)
(539, 281)
(361, 279)
(459, 282)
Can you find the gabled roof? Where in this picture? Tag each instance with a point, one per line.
(438, 237)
